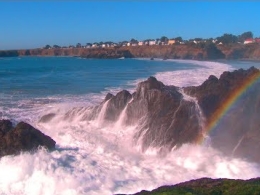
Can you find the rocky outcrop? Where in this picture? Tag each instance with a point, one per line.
(169, 116)
(233, 103)
(208, 186)
(161, 112)
(214, 91)
(21, 138)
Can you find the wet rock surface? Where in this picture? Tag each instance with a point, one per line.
(168, 119)
(21, 138)
(233, 103)
(161, 112)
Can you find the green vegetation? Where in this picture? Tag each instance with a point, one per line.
(47, 47)
(231, 39)
(206, 186)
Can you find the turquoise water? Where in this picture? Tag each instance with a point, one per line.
(93, 157)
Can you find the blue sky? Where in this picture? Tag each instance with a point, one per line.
(35, 24)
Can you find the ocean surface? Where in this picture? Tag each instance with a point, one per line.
(92, 157)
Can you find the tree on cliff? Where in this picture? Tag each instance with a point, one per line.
(227, 39)
(78, 45)
(47, 47)
(56, 46)
(244, 36)
(134, 41)
(178, 39)
(164, 39)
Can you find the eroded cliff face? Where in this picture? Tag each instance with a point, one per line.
(250, 51)
(195, 52)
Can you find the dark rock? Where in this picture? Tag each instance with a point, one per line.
(5, 126)
(47, 117)
(23, 138)
(108, 96)
(116, 104)
(208, 186)
(166, 119)
(237, 133)
(212, 52)
(161, 112)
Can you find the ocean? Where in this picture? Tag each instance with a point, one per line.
(92, 157)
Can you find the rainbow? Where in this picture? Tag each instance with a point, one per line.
(227, 104)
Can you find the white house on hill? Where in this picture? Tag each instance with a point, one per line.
(250, 40)
(152, 42)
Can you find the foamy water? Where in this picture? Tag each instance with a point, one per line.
(93, 157)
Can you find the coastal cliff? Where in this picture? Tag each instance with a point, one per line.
(186, 51)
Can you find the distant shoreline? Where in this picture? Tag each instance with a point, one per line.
(250, 52)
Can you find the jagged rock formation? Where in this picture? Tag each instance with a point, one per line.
(208, 186)
(168, 119)
(161, 112)
(21, 138)
(238, 132)
(169, 116)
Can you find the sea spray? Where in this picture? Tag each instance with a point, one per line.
(95, 159)
(102, 170)
(102, 113)
(200, 116)
(122, 117)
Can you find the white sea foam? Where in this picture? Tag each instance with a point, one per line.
(195, 77)
(102, 159)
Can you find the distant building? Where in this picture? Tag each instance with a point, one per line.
(257, 40)
(162, 43)
(171, 41)
(152, 42)
(128, 44)
(214, 41)
(248, 41)
(140, 43)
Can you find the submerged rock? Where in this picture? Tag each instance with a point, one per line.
(21, 138)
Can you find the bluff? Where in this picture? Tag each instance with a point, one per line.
(169, 116)
(21, 138)
(201, 51)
